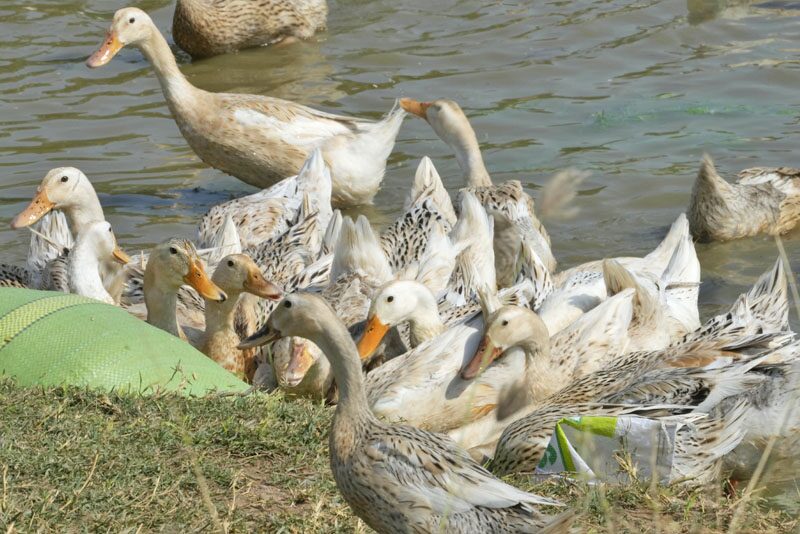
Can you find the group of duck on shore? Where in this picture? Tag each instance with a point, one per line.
(449, 342)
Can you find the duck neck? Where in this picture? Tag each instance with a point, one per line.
(468, 154)
(346, 365)
(161, 302)
(425, 321)
(220, 315)
(538, 364)
(84, 274)
(176, 87)
(88, 210)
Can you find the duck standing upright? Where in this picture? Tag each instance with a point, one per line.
(259, 139)
(205, 28)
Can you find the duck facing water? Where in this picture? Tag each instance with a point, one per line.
(205, 28)
(259, 139)
(399, 478)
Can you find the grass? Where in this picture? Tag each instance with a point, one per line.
(74, 460)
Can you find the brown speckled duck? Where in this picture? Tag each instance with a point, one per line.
(205, 28)
(259, 139)
(763, 201)
(399, 478)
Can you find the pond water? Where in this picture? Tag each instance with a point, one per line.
(633, 91)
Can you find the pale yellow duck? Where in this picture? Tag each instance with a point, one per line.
(762, 201)
(206, 28)
(259, 139)
(400, 478)
(171, 265)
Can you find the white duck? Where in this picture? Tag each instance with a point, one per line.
(69, 190)
(259, 139)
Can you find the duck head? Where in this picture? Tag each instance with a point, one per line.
(130, 26)
(506, 328)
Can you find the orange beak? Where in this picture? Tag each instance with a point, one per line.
(420, 109)
(371, 337)
(120, 256)
(39, 206)
(484, 356)
(107, 50)
(257, 285)
(299, 364)
(198, 279)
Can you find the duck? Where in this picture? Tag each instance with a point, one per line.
(77, 269)
(259, 139)
(68, 190)
(240, 279)
(672, 266)
(269, 213)
(358, 266)
(398, 478)
(170, 265)
(508, 203)
(747, 328)
(763, 201)
(94, 246)
(205, 28)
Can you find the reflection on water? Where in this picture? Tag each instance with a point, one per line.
(634, 92)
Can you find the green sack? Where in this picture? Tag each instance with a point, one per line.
(62, 339)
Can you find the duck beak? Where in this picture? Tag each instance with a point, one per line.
(265, 334)
(120, 256)
(198, 279)
(420, 109)
(484, 356)
(371, 338)
(299, 364)
(257, 285)
(40, 205)
(107, 50)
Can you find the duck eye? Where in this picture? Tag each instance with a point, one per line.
(64, 178)
(230, 263)
(287, 304)
(389, 298)
(173, 250)
(505, 323)
(109, 230)
(132, 20)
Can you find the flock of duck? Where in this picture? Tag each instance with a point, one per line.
(453, 320)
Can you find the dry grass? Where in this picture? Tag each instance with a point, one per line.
(73, 460)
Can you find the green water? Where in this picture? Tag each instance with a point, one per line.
(633, 91)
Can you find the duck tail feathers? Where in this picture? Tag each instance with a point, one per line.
(428, 185)
(358, 251)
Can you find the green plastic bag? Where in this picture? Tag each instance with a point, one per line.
(49, 338)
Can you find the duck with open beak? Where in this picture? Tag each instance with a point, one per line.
(263, 336)
(487, 353)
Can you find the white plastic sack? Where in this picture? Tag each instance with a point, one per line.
(591, 445)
